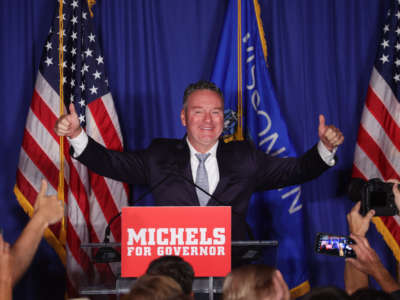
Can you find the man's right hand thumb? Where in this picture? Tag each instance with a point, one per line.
(72, 110)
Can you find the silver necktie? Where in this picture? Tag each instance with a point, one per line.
(202, 178)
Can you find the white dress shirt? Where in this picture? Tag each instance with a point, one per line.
(211, 165)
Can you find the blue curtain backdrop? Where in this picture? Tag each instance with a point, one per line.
(320, 54)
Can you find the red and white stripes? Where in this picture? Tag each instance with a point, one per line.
(91, 200)
(377, 151)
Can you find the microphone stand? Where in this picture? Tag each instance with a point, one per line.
(248, 229)
(108, 254)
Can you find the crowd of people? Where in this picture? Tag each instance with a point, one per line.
(171, 277)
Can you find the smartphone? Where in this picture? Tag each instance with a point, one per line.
(337, 245)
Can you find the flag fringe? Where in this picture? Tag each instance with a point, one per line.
(387, 236)
(260, 28)
(300, 290)
(48, 234)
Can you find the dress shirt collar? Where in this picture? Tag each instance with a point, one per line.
(212, 151)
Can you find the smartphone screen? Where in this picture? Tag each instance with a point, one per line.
(334, 245)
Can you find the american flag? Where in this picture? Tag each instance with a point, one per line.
(377, 151)
(91, 200)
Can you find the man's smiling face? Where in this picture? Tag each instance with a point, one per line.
(203, 117)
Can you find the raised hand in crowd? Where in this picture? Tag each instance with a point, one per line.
(68, 124)
(359, 224)
(354, 279)
(368, 262)
(330, 136)
(396, 192)
(6, 283)
(48, 210)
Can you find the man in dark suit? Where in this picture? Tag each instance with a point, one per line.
(230, 172)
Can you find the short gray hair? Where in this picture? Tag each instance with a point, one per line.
(201, 85)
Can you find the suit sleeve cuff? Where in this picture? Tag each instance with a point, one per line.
(327, 156)
(79, 143)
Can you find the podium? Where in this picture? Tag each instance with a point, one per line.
(200, 235)
(243, 252)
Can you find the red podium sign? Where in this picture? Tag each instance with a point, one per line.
(200, 235)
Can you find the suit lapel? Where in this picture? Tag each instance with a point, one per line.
(184, 169)
(224, 176)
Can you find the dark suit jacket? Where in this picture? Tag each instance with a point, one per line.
(243, 170)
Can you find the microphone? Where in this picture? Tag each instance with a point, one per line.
(108, 228)
(240, 255)
(248, 229)
(107, 254)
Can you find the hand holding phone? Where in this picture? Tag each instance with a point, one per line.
(337, 245)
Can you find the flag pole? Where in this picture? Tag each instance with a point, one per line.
(238, 136)
(60, 188)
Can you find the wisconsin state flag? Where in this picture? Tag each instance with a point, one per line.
(252, 112)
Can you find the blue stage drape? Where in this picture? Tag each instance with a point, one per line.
(320, 54)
